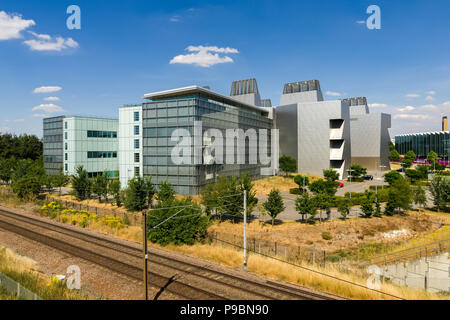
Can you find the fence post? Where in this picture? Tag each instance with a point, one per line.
(275, 248)
(324, 257)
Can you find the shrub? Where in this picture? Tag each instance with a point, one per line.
(287, 164)
(186, 227)
(326, 236)
(296, 191)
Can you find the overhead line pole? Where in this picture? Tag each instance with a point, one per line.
(145, 254)
(245, 228)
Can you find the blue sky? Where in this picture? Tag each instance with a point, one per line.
(124, 50)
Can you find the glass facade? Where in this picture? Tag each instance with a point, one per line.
(101, 134)
(162, 117)
(53, 144)
(423, 143)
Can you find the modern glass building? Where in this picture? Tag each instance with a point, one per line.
(73, 141)
(423, 143)
(179, 109)
(53, 144)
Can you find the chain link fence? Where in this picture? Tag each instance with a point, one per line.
(17, 289)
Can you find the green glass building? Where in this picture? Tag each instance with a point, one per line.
(423, 143)
(179, 109)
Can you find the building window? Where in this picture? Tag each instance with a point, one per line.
(136, 130)
(136, 116)
(137, 158)
(66, 156)
(136, 171)
(66, 167)
(66, 146)
(102, 134)
(65, 125)
(136, 143)
(65, 135)
(101, 154)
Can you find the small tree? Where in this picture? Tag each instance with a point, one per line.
(419, 196)
(357, 171)
(166, 192)
(114, 188)
(187, 226)
(27, 187)
(367, 205)
(399, 195)
(100, 187)
(274, 204)
(331, 175)
(344, 208)
(440, 190)
(324, 186)
(407, 163)
(60, 180)
(395, 156)
(377, 210)
(410, 155)
(81, 184)
(305, 205)
(301, 181)
(323, 202)
(287, 165)
(6, 169)
(135, 195)
(392, 176)
(432, 157)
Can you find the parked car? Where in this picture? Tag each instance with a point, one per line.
(341, 185)
(368, 177)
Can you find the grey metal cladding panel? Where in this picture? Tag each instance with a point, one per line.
(366, 135)
(300, 97)
(287, 124)
(314, 138)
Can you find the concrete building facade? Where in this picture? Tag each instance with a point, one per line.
(314, 131)
(130, 143)
(369, 136)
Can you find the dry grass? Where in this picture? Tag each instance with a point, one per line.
(91, 203)
(264, 186)
(22, 270)
(277, 270)
(345, 235)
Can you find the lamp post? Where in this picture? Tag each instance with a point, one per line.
(350, 177)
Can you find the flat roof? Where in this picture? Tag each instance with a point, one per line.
(421, 133)
(167, 94)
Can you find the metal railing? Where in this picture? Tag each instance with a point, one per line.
(426, 250)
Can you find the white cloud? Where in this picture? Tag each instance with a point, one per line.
(378, 105)
(361, 21)
(51, 99)
(5, 129)
(411, 116)
(40, 115)
(48, 108)
(204, 57)
(431, 93)
(11, 25)
(45, 42)
(429, 98)
(175, 19)
(406, 109)
(16, 120)
(333, 94)
(413, 95)
(47, 89)
(446, 104)
(428, 107)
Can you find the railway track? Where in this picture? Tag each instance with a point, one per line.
(254, 289)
